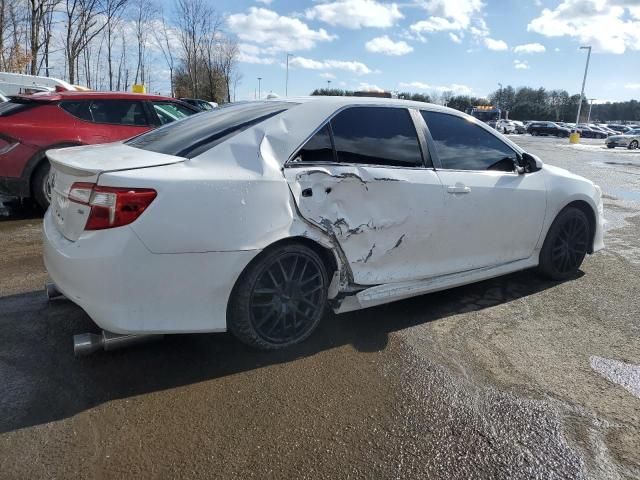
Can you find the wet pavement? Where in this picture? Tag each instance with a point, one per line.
(515, 377)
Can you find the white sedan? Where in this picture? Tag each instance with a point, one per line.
(255, 217)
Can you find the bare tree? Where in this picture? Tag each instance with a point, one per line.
(83, 24)
(39, 15)
(227, 63)
(193, 20)
(112, 11)
(164, 38)
(143, 12)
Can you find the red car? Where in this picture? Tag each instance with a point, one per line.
(30, 125)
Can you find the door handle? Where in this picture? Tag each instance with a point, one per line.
(458, 188)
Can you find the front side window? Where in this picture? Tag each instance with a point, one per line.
(170, 112)
(463, 145)
(376, 136)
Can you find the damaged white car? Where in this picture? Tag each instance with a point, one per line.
(255, 217)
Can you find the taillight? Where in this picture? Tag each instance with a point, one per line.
(111, 206)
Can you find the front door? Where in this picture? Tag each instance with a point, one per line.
(493, 215)
(372, 193)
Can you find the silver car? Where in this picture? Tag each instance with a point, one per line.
(630, 140)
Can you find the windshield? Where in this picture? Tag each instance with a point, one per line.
(194, 135)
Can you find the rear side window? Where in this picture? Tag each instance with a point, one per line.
(12, 107)
(376, 136)
(318, 149)
(194, 135)
(115, 112)
(463, 145)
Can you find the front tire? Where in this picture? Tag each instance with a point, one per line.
(633, 145)
(280, 298)
(566, 245)
(40, 189)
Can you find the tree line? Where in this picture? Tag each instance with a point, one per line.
(525, 103)
(113, 44)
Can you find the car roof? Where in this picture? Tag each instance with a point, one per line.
(58, 96)
(345, 101)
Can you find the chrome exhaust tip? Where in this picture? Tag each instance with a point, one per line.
(52, 291)
(88, 343)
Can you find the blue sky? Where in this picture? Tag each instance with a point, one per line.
(466, 46)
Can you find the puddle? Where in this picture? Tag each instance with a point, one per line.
(624, 374)
(624, 194)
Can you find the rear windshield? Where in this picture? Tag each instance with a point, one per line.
(192, 136)
(14, 106)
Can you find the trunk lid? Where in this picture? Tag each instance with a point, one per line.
(85, 164)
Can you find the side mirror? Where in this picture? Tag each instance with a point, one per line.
(531, 163)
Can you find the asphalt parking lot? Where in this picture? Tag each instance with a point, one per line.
(515, 377)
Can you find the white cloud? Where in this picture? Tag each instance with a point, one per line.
(556, 49)
(521, 64)
(266, 2)
(460, 11)
(328, 76)
(454, 88)
(610, 26)
(366, 87)
(274, 32)
(455, 38)
(435, 24)
(387, 46)
(632, 86)
(498, 45)
(358, 68)
(356, 13)
(248, 53)
(530, 48)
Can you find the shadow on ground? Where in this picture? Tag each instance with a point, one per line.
(16, 209)
(42, 381)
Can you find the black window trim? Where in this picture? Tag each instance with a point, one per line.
(436, 159)
(91, 100)
(426, 161)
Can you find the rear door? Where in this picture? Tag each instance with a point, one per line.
(362, 178)
(493, 215)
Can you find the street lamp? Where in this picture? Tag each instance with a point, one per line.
(500, 99)
(259, 88)
(286, 85)
(328, 84)
(574, 139)
(590, 105)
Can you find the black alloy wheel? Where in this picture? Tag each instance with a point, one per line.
(280, 299)
(633, 145)
(566, 244)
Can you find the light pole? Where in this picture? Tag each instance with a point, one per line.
(500, 100)
(590, 105)
(584, 80)
(259, 86)
(328, 84)
(286, 85)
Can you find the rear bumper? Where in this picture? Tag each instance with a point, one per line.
(125, 288)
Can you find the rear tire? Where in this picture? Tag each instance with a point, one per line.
(633, 145)
(40, 189)
(566, 245)
(280, 298)
(611, 146)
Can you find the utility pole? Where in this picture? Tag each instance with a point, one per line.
(286, 85)
(500, 100)
(590, 106)
(584, 80)
(259, 88)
